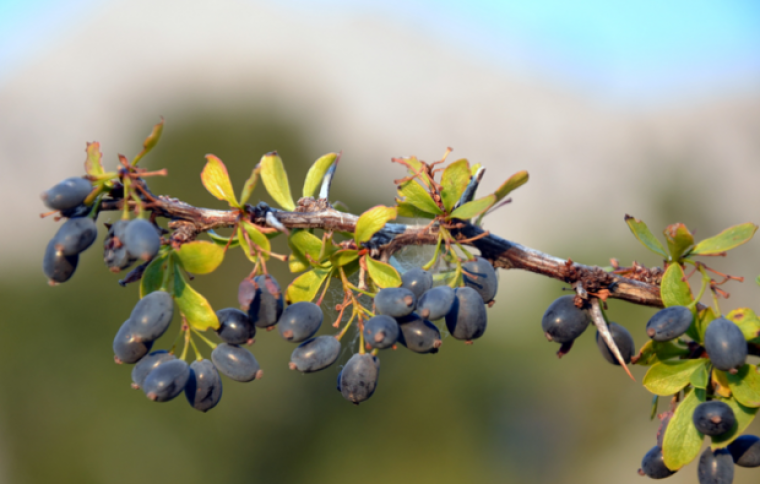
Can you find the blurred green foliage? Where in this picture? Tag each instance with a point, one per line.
(504, 410)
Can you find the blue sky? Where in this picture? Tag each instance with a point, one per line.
(624, 50)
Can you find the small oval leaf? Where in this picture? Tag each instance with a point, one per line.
(93, 164)
(276, 180)
(729, 239)
(153, 276)
(515, 181)
(383, 275)
(256, 237)
(640, 230)
(343, 257)
(250, 185)
(217, 181)
(316, 173)
(306, 286)
(372, 221)
(303, 244)
(745, 386)
(679, 239)
(682, 440)
(473, 208)
(454, 180)
(415, 195)
(200, 256)
(194, 306)
(673, 289)
(668, 377)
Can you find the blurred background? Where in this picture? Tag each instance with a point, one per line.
(647, 108)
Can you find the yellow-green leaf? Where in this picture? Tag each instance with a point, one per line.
(371, 221)
(673, 289)
(745, 386)
(151, 141)
(223, 241)
(384, 275)
(744, 416)
(276, 180)
(474, 169)
(217, 181)
(667, 377)
(700, 378)
(473, 208)
(245, 246)
(153, 276)
(720, 383)
(93, 164)
(454, 180)
(515, 181)
(296, 265)
(682, 440)
(641, 232)
(410, 211)
(654, 351)
(698, 328)
(194, 306)
(343, 257)
(747, 321)
(302, 242)
(729, 239)
(679, 239)
(257, 237)
(306, 286)
(250, 185)
(317, 173)
(200, 256)
(414, 194)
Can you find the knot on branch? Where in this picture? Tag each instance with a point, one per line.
(593, 279)
(310, 204)
(639, 272)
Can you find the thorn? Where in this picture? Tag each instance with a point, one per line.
(601, 325)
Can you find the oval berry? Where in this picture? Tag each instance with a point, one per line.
(148, 364)
(358, 379)
(128, 348)
(152, 315)
(315, 354)
(166, 381)
(436, 303)
(725, 345)
(417, 280)
(57, 266)
(669, 323)
(653, 466)
(267, 304)
(300, 321)
(381, 332)
(67, 194)
(713, 418)
(467, 319)
(419, 335)
(236, 363)
(746, 451)
(563, 321)
(395, 302)
(76, 235)
(623, 340)
(715, 467)
(203, 389)
(481, 276)
(141, 239)
(235, 327)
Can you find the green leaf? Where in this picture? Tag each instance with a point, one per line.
(747, 321)
(679, 240)
(720, 383)
(729, 239)
(153, 276)
(217, 181)
(745, 386)
(296, 265)
(276, 180)
(641, 232)
(668, 377)
(302, 242)
(700, 378)
(699, 326)
(673, 289)
(151, 141)
(682, 440)
(515, 181)
(250, 185)
(744, 417)
(473, 208)
(317, 173)
(221, 240)
(195, 307)
(306, 286)
(410, 211)
(654, 351)
(454, 180)
(384, 275)
(372, 221)
(250, 255)
(200, 256)
(413, 194)
(343, 257)
(93, 164)
(256, 237)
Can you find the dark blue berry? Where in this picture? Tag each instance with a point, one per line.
(725, 345)
(300, 321)
(236, 363)
(395, 302)
(436, 303)
(166, 381)
(563, 321)
(746, 451)
(204, 386)
(152, 315)
(141, 239)
(128, 348)
(467, 319)
(148, 364)
(235, 327)
(417, 280)
(267, 304)
(57, 266)
(358, 379)
(315, 354)
(653, 466)
(623, 340)
(76, 235)
(713, 418)
(481, 276)
(419, 335)
(381, 331)
(715, 467)
(67, 194)
(669, 323)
